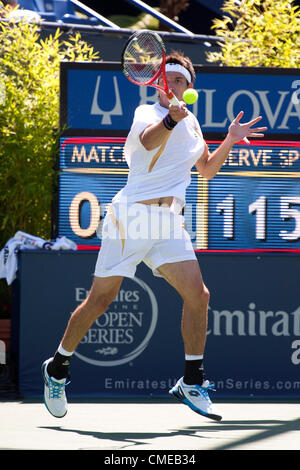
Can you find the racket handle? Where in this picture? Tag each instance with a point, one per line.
(172, 99)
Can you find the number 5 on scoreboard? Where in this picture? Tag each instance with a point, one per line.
(287, 213)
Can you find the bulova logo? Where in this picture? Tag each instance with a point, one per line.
(146, 97)
(123, 332)
(115, 111)
(280, 108)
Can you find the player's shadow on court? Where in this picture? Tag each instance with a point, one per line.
(266, 429)
(128, 438)
(263, 429)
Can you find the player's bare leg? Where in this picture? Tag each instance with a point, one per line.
(186, 278)
(192, 389)
(56, 370)
(103, 292)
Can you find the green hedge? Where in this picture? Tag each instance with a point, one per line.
(29, 125)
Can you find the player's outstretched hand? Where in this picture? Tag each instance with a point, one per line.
(238, 131)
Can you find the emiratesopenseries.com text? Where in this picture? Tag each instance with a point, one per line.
(250, 385)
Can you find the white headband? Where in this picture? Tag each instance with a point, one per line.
(179, 68)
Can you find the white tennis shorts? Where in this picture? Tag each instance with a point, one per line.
(132, 233)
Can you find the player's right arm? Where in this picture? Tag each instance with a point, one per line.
(155, 134)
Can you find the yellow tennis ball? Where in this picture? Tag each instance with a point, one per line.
(190, 96)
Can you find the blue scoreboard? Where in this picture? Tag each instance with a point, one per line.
(253, 203)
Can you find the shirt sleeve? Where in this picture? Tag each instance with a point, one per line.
(143, 117)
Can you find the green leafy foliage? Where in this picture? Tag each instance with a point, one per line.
(258, 33)
(29, 123)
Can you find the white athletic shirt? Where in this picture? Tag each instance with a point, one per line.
(166, 170)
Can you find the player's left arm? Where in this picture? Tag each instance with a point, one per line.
(210, 163)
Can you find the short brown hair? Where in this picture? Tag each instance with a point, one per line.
(177, 57)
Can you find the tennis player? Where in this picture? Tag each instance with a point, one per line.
(164, 143)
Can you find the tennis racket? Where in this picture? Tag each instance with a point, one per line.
(144, 61)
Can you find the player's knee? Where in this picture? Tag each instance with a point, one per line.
(204, 295)
(198, 297)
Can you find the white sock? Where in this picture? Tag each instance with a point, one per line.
(191, 357)
(62, 351)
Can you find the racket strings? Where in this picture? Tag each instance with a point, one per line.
(142, 58)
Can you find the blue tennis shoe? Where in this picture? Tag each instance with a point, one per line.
(54, 393)
(197, 398)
